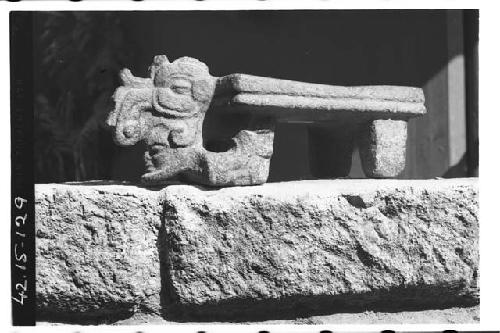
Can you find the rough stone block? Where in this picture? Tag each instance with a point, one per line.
(326, 245)
(107, 252)
(96, 251)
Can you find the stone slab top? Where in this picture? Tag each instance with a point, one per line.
(321, 188)
(316, 188)
(286, 98)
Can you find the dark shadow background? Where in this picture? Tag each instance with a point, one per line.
(78, 55)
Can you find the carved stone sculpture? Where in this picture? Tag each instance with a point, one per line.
(167, 112)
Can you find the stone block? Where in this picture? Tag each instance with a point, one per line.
(96, 252)
(316, 246)
(106, 252)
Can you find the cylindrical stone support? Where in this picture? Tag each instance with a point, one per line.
(330, 150)
(382, 147)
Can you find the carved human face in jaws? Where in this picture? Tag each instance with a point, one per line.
(181, 95)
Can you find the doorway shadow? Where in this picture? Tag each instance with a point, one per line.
(295, 307)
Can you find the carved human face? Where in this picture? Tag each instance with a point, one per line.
(183, 88)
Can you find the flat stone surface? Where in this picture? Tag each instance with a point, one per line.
(310, 101)
(266, 85)
(303, 247)
(327, 107)
(96, 251)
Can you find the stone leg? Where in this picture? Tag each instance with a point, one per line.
(382, 147)
(330, 150)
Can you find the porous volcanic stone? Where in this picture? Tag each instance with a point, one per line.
(96, 251)
(315, 246)
(319, 108)
(167, 111)
(383, 148)
(238, 83)
(293, 100)
(108, 252)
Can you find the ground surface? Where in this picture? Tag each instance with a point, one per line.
(444, 316)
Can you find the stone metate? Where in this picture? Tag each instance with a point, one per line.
(167, 112)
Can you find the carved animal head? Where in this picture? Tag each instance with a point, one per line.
(168, 108)
(182, 88)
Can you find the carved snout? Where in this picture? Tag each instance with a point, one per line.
(127, 118)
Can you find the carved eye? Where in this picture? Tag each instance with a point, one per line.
(181, 86)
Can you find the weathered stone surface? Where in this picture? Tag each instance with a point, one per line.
(317, 108)
(383, 148)
(107, 252)
(237, 83)
(329, 245)
(293, 100)
(246, 162)
(96, 251)
(167, 110)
